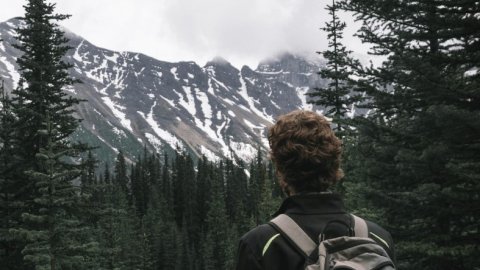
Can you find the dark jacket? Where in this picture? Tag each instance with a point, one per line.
(263, 247)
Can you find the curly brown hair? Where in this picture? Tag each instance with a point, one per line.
(305, 151)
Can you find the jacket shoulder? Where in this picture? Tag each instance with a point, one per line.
(256, 238)
(382, 237)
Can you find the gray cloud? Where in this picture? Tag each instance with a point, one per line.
(242, 31)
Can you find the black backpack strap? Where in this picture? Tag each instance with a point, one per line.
(289, 228)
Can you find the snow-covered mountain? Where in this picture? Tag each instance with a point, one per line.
(136, 100)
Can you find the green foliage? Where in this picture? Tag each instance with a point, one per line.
(48, 224)
(338, 96)
(414, 161)
(10, 188)
(207, 235)
(54, 234)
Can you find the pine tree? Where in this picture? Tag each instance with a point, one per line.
(45, 123)
(166, 186)
(118, 228)
(140, 186)
(87, 181)
(44, 76)
(52, 230)
(418, 159)
(255, 185)
(236, 195)
(215, 247)
(337, 97)
(10, 248)
(121, 178)
(184, 189)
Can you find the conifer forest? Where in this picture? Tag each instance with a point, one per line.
(411, 159)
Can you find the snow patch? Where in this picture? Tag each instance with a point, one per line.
(471, 72)
(14, 75)
(70, 89)
(209, 154)
(162, 134)
(189, 104)
(252, 81)
(301, 93)
(76, 55)
(251, 103)
(174, 72)
(105, 142)
(219, 83)
(251, 125)
(96, 74)
(119, 132)
(211, 71)
(157, 144)
(244, 108)
(11, 25)
(243, 150)
(210, 88)
(204, 104)
(113, 58)
(170, 102)
(116, 110)
(228, 101)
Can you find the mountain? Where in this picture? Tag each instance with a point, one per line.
(135, 100)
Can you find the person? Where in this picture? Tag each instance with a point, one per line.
(306, 154)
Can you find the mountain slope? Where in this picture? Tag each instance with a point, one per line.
(135, 100)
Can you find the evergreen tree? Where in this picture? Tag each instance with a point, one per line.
(236, 195)
(88, 174)
(418, 159)
(10, 248)
(255, 184)
(121, 178)
(44, 76)
(53, 230)
(337, 97)
(215, 245)
(184, 189)
(203, 181)
(45, 122)
(166, 186)
(118, 230)
(107, 179)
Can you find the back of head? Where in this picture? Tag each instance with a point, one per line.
(305, 151)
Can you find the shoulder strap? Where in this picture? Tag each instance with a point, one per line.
(360, 227)
(291, 229)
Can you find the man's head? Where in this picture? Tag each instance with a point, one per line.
(305, 151)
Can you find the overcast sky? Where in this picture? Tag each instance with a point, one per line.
(241, 31)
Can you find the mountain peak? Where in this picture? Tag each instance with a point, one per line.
(218, 61)
(289, 61)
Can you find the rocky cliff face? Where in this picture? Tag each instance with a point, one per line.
(136, 100)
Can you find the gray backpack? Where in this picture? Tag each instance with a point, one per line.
(355, 252)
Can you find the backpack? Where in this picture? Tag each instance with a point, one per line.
(356, 251)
